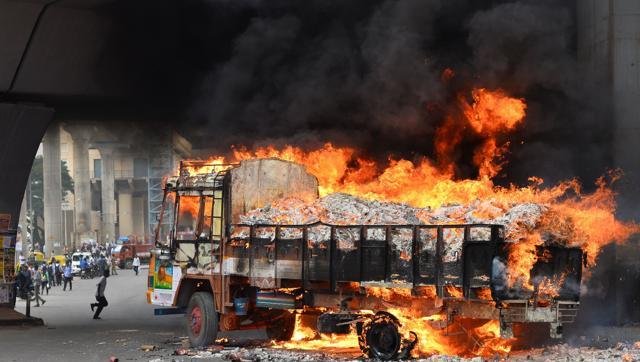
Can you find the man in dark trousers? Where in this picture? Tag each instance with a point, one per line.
(24, 284)
(68, 277)
(102, 264)
(102, 301)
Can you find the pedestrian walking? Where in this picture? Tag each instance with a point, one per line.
(68, 277)
(51, 276)
(136, 264)
(45, 278)
(102, 264)
(100, 298)
(24, 283)
(57, 270)
(112, 261)
(51, 271)
(37, 279)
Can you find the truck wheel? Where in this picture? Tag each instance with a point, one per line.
(128, 264)
(282, 328)
(202, 319)
(380, 338)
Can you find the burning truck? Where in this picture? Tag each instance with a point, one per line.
(231, 263)
(328, 249)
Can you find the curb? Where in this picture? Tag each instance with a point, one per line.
(33, 321)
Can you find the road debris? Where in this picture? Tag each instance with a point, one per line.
(148, 347)
(561, 352)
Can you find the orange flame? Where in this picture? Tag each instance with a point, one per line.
(572, 215)
(435, 335)
(493, 112)
(306, 338)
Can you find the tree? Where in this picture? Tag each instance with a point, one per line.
(36, 193)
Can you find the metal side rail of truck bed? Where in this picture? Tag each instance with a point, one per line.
(392, 255)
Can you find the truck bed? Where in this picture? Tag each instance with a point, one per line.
(403, 256)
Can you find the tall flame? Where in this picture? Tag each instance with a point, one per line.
(577, 216)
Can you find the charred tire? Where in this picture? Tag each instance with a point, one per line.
(379, 338)
(201, 319)
(282, 328)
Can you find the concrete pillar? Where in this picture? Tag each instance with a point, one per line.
(626, 93)
(125, 213)
(52, 185)
(108, 226)
(609, 49)
(625, 73)
(81, 177)
(138, 216)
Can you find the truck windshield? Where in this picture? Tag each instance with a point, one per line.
(187, 217)
(194, 218)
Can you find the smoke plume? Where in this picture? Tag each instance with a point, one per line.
(369, 74)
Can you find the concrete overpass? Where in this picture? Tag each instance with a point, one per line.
(84, 60)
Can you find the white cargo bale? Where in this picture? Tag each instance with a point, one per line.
(259, 182)
(342, 209)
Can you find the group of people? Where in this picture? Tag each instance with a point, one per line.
(95, 266)
(34, 280)
(95, 249)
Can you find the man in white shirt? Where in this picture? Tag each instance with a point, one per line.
(136, 264)
(102, 301)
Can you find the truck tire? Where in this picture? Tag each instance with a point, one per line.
(128, 264)
(282, 328)
(379, 338)
(201, 319)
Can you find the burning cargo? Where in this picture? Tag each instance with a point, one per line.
(253, 246)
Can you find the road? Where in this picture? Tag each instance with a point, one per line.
(70, 333)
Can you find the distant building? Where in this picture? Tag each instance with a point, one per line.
(138, 169)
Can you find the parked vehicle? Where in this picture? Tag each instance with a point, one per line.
(75, 261)
(124, 253)
(62, 259)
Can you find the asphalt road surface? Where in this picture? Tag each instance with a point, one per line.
(70, 333)
(128, 324)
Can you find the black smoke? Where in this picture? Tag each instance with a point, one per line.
(368, 74)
